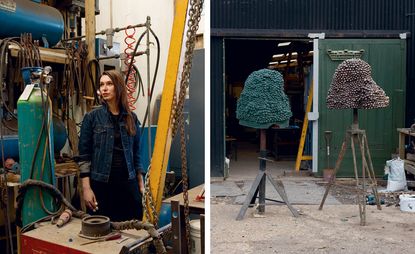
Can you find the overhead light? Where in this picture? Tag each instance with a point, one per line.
(283, 61)
(279, 55)
(282, 44)
(294, 53)
(272, 63)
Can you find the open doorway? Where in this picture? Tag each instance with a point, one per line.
(294, 60)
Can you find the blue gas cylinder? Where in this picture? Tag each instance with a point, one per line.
(165, 215)
(23, 16)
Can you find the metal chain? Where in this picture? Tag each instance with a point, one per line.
(148, 199)
(193, 25)
(195, 11)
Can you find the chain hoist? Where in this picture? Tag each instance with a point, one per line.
(193, 25)
(177, 120)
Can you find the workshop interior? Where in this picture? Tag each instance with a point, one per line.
(52, 54)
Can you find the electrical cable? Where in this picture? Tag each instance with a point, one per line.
(95, 81)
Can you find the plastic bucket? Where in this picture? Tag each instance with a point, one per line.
(407, 203)
(195, 237)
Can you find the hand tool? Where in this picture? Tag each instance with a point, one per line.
(107, 238)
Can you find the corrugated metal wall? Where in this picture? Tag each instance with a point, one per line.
(311, 14)
(263, 18)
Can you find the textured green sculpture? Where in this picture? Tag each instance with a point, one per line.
(263, 102)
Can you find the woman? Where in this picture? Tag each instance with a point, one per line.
(111, 170)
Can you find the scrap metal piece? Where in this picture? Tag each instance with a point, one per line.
(95, 226)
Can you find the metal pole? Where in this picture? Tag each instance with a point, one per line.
(327, 136)
(262, 167)
(148, 24)
(355, 124)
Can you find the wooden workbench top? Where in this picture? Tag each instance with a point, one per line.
(406, 131)
(192, 198)
(67, 236)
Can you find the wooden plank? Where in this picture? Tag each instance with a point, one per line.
(47, 55)
(192, 198)
(90, 41)
(410, 166)
(67, 237)
(406, 131)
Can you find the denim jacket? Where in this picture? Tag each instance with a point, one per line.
(97, 141)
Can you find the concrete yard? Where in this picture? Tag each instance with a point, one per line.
(335, 229)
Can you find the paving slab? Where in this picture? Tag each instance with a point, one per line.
(225, 189)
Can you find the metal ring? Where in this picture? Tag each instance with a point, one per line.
(96, 226)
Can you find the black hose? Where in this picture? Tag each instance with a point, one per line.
(55, 193)
(94, 81)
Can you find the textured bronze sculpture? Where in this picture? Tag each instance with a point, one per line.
(353, 87)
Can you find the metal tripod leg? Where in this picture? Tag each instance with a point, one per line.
(364, 166)
(252, 203)
(279, 187)
(371, 173)
(356, 174)
(251, 193)
(338, 163)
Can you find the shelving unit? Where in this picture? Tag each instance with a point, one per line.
(47, 55)
(409, 164)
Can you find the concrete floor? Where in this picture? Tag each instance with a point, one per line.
(336, 229)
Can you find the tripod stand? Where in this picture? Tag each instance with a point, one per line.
(358, 136)
(259, 184)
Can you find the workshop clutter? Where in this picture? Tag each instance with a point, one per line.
(353, 87)
(407, 203)
(396, 175)
(195, 236)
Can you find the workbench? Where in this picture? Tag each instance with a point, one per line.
(178, 221)
(49, 239)
(403, 132)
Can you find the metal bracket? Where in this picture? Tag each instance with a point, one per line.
(313, 116)
(317, 35)
(403, 36)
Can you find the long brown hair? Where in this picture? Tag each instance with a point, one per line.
(121, 98)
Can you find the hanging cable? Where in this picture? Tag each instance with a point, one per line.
(155, 70)
(130, 74)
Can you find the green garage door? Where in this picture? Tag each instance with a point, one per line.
(387, 58)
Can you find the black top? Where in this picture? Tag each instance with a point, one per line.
(119, 170)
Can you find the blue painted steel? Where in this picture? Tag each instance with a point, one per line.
(11, 147)
(165, 215)
(144, 145)
(30, 17)
(59, 134)
(27, 73)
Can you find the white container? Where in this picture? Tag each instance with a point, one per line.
(407, 202)
(195, 237)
